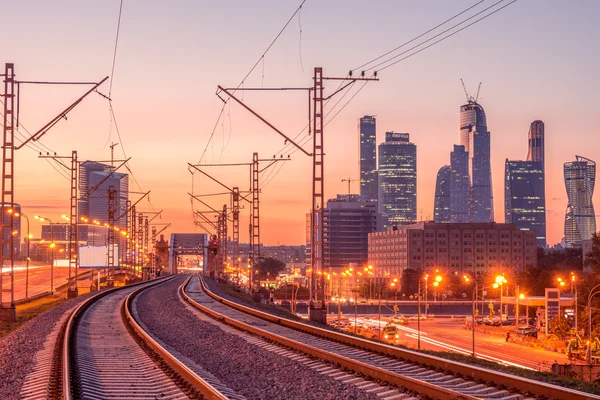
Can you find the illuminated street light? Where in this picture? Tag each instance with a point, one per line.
(499, 282)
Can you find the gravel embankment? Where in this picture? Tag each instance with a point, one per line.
(18, 348)
(251, 371)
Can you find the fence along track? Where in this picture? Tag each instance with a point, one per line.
(434, 364)
(101, 358)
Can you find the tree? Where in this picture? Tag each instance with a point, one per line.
(592, 259)
(410, 281)
(269, 268)
(559, 326)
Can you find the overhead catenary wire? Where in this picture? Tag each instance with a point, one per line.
(261, 58)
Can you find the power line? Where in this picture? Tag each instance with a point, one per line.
(420, 36)
(445, 37)
(112, 73)
(261, 58)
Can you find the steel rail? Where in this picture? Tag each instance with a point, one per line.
(69, 331)
(422, 387)
(496, 378)
(202, 386)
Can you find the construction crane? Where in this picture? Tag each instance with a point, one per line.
(349, 181)
(471, 99)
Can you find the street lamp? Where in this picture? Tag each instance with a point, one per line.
(436, 283)
(29, 236)
(500, 281)
(52, 245)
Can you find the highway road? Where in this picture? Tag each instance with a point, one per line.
(448, 335)
(39, 280)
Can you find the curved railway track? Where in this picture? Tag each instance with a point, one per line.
(103, 353)
(426, 375)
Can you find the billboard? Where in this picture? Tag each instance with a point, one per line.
(96, 256)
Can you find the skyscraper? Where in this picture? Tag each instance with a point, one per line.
(476, 139)
(441, 205)
(536, 142)
(524, 198)
(397, 195)
(95, 205)
(459, 184)
(580, 219)
(525, 188)
(347, 221)
(368, 161)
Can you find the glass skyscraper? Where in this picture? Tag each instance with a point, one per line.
(475, 137)
(441, 205)
(368, 161)
(95, 206)
(397, 195)
(524, 197)
(580, 219)
(459, 184)
(536, 142)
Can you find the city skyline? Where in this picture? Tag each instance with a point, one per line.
(416, 96)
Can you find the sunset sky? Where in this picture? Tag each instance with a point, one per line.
(536, 59)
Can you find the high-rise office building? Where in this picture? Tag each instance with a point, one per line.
(525, 189)
(580, 219)
(95, 205)
(397, 195)
(475, 137)
(441, 204)
(368, 160)
(459, 184)
(452, 188)
(524, 198)
(347, 220)
(536, 142)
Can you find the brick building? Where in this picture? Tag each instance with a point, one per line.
(462, 247)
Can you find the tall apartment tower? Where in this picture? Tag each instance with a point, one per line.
(536, 142)
(580, 219)
(475, 137)
(397, 195)
(368, 160)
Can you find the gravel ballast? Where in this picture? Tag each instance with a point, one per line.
(18, 348)
(249, 370)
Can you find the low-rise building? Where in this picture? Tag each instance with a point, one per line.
(455, 247)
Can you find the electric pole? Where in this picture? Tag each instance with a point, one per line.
(317, 312)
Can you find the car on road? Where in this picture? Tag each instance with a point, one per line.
(416, 317)
(398, 319)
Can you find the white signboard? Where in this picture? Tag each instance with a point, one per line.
(96, 256)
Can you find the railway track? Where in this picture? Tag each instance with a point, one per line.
(103, 353)
(426, 375)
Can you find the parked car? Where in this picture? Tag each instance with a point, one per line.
(491, 321)
(527, 331)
